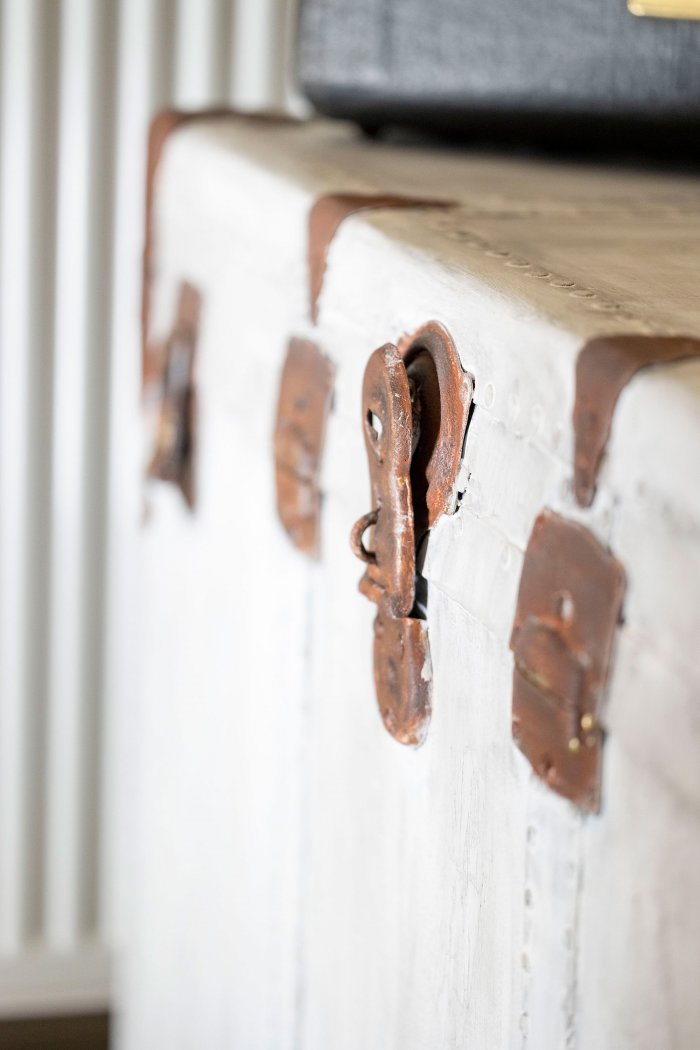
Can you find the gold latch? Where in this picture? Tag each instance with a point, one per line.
(664, 8)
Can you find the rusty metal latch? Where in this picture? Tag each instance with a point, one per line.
(569, 605)
(173, 453)
(415, 408)
(305, 398)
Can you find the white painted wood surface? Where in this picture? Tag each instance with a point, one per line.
(302, 880)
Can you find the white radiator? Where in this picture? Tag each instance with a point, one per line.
(79, 82)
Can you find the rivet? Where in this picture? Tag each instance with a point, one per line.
(587, 722)
(574, 744)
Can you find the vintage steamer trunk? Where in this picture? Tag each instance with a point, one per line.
(528, 876)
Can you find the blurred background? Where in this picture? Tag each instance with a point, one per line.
(79, 83)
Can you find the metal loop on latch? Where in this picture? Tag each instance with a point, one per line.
(356, 537)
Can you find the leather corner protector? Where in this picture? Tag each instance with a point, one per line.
(603, 368)
(305, 399)
(326, 215)
(568, 608)
(161, 128)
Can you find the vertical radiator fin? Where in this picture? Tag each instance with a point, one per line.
(79, 81)
(19, 71)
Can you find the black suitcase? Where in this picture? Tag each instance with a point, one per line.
(571, 68)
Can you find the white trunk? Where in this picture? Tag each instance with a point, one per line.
(304, 881)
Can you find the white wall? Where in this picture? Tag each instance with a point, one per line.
(79, 80)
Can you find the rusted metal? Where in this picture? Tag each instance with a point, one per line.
(569, 605)
(415, 409)
(442, 400)
(389, 578)
(162, 126)
(173, 454)
(403, 676)
(305, 397)
(603, 369)
(326, 215)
